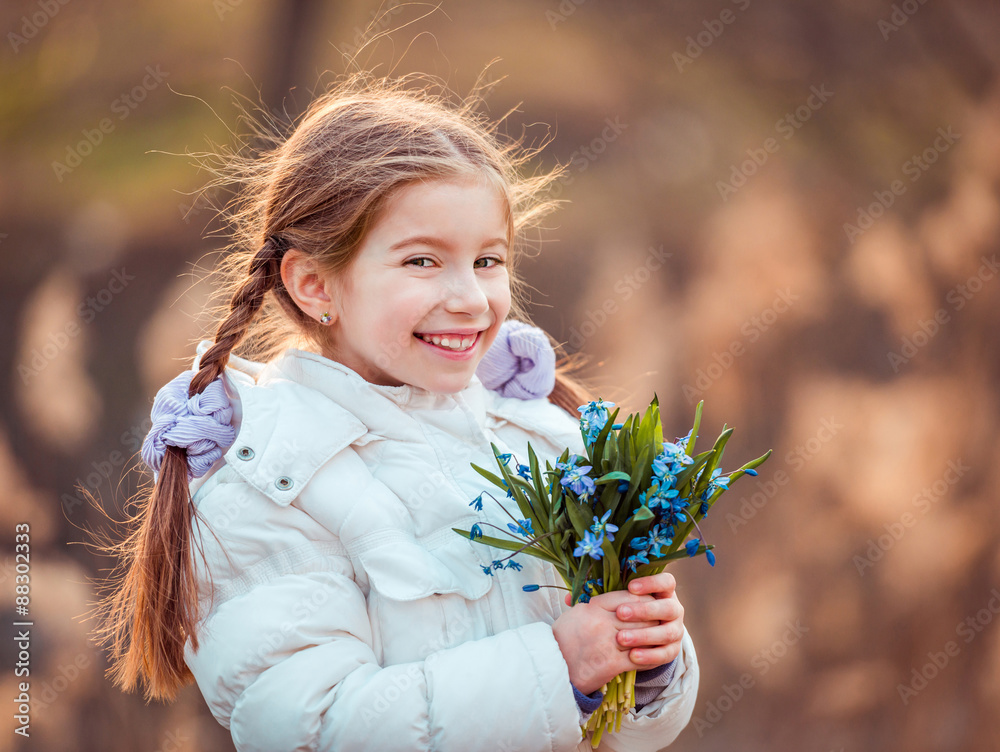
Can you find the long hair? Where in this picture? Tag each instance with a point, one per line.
(317, 189)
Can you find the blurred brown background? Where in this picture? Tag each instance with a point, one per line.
(789, 210)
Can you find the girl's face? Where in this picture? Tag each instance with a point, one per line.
(433, 264)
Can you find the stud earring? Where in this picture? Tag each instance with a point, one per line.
(326, 317)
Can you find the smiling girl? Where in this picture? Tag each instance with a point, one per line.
(319, 452)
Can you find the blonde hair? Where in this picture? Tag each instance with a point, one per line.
(318, 190)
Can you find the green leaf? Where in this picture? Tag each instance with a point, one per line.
(616, 475)
(597, 453)
(494, 479)
(612, 567)
(633, 526)
(580, 578)
(511, 545)
(695, 427)
(540, 491)
(577, 517)
(706, 474)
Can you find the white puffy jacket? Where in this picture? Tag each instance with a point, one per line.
(347, 614)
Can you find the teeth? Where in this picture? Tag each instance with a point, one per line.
(464, 344)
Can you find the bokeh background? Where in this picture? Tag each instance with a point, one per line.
(789, 210)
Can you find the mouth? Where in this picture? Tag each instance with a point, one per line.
(457, 342)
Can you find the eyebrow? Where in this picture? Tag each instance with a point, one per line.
(438, 243)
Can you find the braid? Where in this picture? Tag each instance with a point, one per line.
(263, 275)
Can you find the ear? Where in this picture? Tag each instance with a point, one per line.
(305, 284)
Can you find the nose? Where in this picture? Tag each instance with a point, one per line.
(463, 292)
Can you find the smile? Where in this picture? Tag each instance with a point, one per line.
(452, 343)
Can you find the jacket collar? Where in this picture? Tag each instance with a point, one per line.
(379, 407)
(355, 412)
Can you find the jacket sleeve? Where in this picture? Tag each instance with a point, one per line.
(290, 665)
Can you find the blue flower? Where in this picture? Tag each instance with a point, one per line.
(640, 543)
(604, 525)
(504, 458)
(529, 588)
(523, 527)
(497, 564)
(475, 532)
(658, 538)
(714, 484)
(514, 565)
(569, 463)
(486, 569)
(711, 558)
(578, 481)
(525, 472)
(632, 562)
(584, 598)
(477, 503)
(692, 546)
(594, 417)
(623, 486)
(590, 545)
(750, 471)
(672, 458)
(683, 440)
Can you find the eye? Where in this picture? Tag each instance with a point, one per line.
(499, 261)
(416, 261)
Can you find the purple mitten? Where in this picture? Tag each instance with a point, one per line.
(521, 362)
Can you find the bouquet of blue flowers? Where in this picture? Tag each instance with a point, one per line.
(651, 494)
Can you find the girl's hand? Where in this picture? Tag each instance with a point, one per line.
(653, 646)
(652, 626)
(587, 636)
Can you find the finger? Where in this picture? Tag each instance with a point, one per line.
(646, 658)
(664, 582)
(660, 609)
(654, 636)
(611, 601)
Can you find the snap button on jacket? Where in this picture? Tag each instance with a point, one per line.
(338, 608)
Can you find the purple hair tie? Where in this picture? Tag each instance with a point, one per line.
(521, 362)
(199, 424)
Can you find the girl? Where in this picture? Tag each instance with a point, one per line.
(319, 473)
